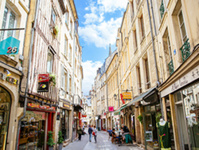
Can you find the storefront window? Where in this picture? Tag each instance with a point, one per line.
(32, 133)
(65, 124)
(5, 102)
(191, 107)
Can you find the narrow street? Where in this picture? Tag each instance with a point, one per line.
(102, 144)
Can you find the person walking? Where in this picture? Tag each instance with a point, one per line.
(95, 134)
(79, 132)
(90, 130)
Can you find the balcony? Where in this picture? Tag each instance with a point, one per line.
(185, 50)
(162, 9)
(171, 68)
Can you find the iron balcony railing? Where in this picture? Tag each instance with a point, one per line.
(171, 67)
(185, 50)
(162, 9)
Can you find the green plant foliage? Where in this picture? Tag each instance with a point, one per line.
(140, 118)
(60, 138)
(50, 139)
(158, 116)
(52, 79)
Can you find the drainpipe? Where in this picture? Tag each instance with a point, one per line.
(154, 25)
(158, 83)
(28, 75)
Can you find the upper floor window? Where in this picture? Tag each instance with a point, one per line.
(71, 26)
(9, 22)
(182, 26)
(135, 39)
(50, 62)
(142, 26)
(66, 47)
(132, 9)
(67, 17)
(53, 16)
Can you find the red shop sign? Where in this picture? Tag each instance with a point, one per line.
(111, 108)
(44, 107)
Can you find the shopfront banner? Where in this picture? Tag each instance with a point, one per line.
(84, 116)
(110, 108)
(9, 46)
(44, 107)
(126, 95)
(43, 83)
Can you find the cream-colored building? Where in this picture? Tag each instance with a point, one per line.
(13, 16)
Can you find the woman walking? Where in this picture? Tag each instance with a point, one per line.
(95, 134)
(79, 131)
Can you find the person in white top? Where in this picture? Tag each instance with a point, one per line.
(95, 134)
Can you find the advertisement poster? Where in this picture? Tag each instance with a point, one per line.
(43, 82)
(149, 136)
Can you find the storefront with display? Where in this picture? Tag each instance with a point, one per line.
(180, 100)
(38, 120)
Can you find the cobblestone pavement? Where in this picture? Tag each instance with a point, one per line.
(103, 143)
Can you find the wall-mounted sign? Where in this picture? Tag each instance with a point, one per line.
(9, 46)
(43, 83)
(8, 79)
(122, 98)
(110, 108)
(84, 116)
(149, 136)
(66, 105)
(174, 51)
(127, 96)
(44, 107)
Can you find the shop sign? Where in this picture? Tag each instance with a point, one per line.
(183, 81)
(84, 116)
(126, 95)
(66, 105)
(122, 98)
(149, 136)
(44, 107)
(43, 82)
(9, 46)
(9, 79)
(111, 108)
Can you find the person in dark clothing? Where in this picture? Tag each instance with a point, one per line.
(79, 132)
(90, 130)
(126, 134)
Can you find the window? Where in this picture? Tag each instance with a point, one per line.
(70, 84)
(9, 21)
(146, 67)
(142, 26)
(132, 9)
(49, 62)
(169, 47)
(139, 79)
(53, 16)
(70, 55)
(135, 39)
(66, 47)
(71, 26)
(67, 17)
(182, 26)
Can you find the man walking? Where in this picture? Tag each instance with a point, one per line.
(90, 130)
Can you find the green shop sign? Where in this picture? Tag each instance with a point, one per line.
(9, 46)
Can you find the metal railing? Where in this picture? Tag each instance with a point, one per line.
(162, 9)
(185, 50)
(171, 67)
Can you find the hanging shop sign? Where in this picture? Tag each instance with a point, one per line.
(9, 79)
(9, 46)
(122, 99)
(43, 83)
(66, 105)
(84, 116)
(126, 95)
(43, 107)
(111, 108)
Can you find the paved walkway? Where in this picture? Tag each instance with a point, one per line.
(102, 144)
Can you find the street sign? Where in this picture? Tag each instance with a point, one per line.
(9, 46)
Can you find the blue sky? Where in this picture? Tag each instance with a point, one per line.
(98, 24)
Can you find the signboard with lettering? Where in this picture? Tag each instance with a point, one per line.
(110, 108)
(44, 107)
(183, 81)
(126, 96)
(66, 105)
(8, 79)
(9, 46)
(43, 83)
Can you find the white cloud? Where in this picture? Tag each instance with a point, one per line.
(90, 70)
(97, 29)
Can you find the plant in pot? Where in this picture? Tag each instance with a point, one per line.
(50, 142)
(52, 79)
(55, 30)
(60, 140)
(140, 118)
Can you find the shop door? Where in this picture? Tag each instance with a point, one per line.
(132, 117)
(183, 135)
(150, 129)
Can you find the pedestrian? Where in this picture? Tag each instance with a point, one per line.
(90, 130)
(79, 132)
(126, 134)
(95, 134)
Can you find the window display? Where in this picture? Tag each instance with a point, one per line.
(32, 131)
(5, 100)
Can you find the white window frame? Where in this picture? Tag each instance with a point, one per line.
(7, 21)
(50, 71)
(180, 25)
(66, 47)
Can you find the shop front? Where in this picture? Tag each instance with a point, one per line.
(76, 120)
(103, 123)
(35, 126)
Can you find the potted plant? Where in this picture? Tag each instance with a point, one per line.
(140, 118)
(60, 140)
(50, 142)
(55, 30)
(52, 79)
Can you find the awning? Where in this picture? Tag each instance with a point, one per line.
(77, 107)
(143, 96)
(117, 112)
